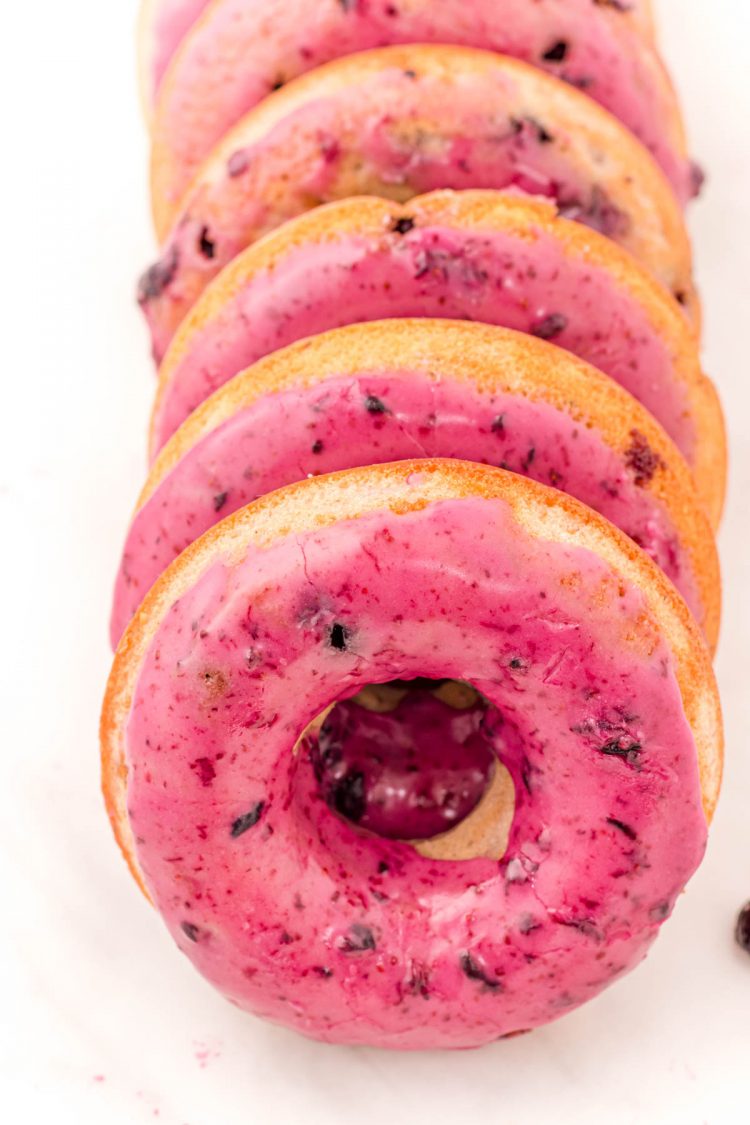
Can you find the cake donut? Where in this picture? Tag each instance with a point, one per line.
(480, 255)
(385, 391)
(600, 702)
(403, 120)
(242, 51)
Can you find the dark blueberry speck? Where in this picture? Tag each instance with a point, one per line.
(220, 500)
(383, 867)
(402, 225)
(742, 929)
(360, 939)
(498, 424)
(249, 820)
(622, 747)
(347, 795)
(557, 52)
(622, 827)
(338, 637)
(159, 277)
(474, 971)
(190, 930)
(375, 405)
(317, 446)
(550, 326)
(641, 459)
(206, 245)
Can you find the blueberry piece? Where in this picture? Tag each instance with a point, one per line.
(220, 500)
(360, 939)
(402, 225)
(158, 277)
(206, 245)
(557, 52)
(474, 971)
(550, 326)
(347, 795)
(338, 637)
(248, 820)
(622, 827)
(641, 459)
(190, 930)
(375, 405)
(742, 929)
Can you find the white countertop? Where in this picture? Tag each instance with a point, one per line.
(102, 1021)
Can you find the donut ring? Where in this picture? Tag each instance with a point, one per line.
(378, 392)
(481, 255)
(379, 123)
(241, 52)
(288, 909)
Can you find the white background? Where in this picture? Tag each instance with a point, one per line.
(101, 1020)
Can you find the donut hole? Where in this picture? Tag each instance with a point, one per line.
(416, 761)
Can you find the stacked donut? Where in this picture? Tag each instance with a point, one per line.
(412, 735)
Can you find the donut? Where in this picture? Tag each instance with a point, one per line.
(162, 26)
(240, 52)
(383, 391)
(600, 705)
(481, 255)
(400, 121)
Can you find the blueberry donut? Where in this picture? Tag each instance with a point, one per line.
(385, 391)
(404, 120)
(242, 51)
(599, 705)
(480, 255)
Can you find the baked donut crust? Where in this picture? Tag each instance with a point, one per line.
(224, 310)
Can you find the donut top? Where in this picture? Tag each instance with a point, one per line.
(484, 256)
(379, 123)
(241, 52)
(383, 391)
(593, 665)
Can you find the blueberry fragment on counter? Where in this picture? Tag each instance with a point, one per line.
(742, 929)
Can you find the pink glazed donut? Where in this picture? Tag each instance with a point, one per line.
(405, 120)
(601, 706)
(480, 255)
(384, 391)
(242, 51)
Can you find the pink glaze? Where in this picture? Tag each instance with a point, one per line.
(497, 277)
(408, 774)
(165, 23)
(242, 51)
(295, 915)
(376, 417)
(476, 124)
